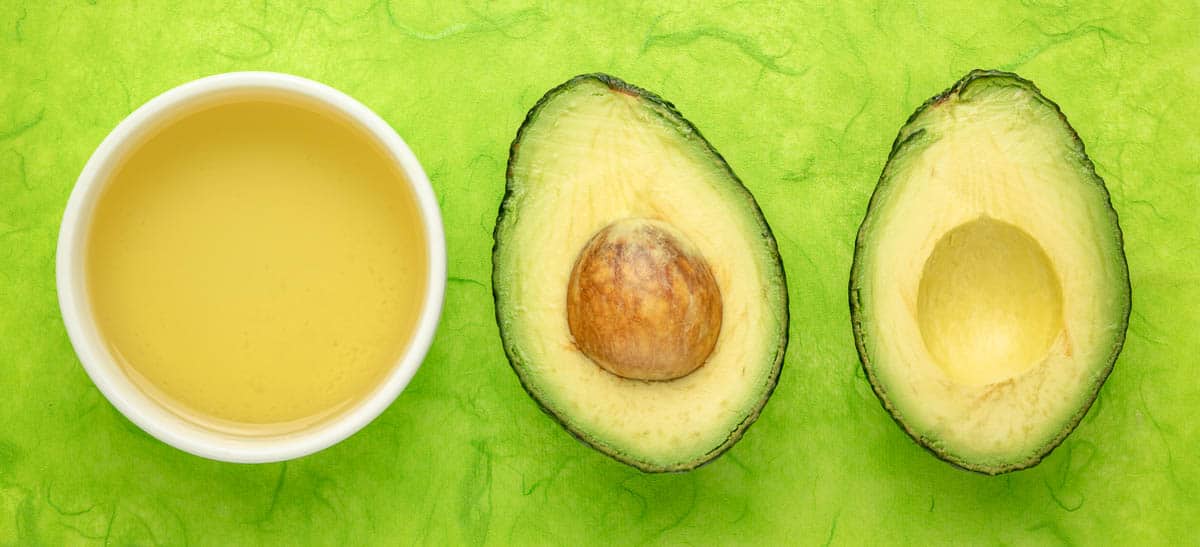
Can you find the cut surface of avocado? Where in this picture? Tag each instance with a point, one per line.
(639, 291)
(989, 292)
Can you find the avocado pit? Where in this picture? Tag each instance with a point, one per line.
(642, 302)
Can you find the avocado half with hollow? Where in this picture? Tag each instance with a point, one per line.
(989, 294)
(639, 291)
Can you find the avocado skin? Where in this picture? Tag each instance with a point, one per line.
(975, 78)
(685, 126)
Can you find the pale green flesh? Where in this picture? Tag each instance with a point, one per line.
(594, 155)
(990, 283)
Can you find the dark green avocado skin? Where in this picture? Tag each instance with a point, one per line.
(972, 81)
(682, 124)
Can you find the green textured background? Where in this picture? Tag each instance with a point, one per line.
(803, 101)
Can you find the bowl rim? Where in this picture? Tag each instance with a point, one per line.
(109, 376)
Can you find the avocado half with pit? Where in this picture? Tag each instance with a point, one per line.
(989, 293)
(639, 291)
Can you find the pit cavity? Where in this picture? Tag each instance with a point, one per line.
(990, 303)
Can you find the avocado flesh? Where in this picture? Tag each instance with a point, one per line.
(595, 151)
(989, 293)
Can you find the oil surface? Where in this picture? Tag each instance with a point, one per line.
(257, 265)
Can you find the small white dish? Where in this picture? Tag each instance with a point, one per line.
(108, 374)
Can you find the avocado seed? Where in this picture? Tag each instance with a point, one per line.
(642, 303)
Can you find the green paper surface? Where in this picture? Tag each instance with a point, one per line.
(803, 99)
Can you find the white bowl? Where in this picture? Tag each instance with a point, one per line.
(111, 378)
